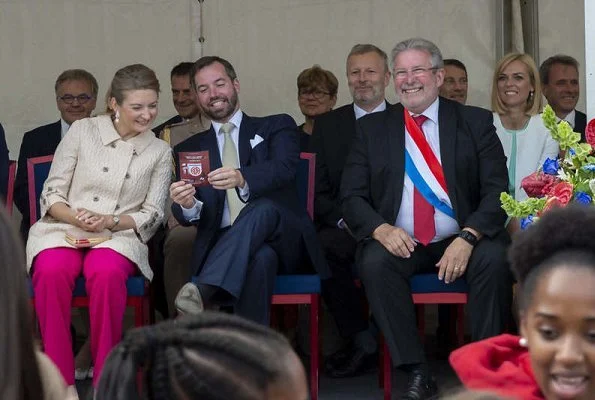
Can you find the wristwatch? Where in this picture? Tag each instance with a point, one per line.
(116, 221)
(468, 237)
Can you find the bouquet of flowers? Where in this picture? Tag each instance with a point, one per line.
(560, 181)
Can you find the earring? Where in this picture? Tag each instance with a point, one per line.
(117, 117)
(523, 342)
(531, 93)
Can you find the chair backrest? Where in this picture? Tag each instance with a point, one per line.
(305, 181)
(12, 171)
(38, 169)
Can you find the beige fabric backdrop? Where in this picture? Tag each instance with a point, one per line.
(41, 38)
(268, 41)
(271, 41)
(561, 30)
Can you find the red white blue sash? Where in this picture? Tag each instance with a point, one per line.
(424, 169)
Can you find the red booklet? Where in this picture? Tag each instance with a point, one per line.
(194, 167)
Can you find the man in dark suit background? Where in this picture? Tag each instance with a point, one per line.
(561, 88)
(183, 97)
(76, 96)
(367, 77)
(403, 230)
(250, 224)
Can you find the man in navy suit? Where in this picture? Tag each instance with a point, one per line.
(561, 88)
(421, 193)
(250, 224)
(76, 95)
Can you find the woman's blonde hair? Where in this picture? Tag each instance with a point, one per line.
(535, 99)
(131, 77)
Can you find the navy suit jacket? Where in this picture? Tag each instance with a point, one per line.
(41, 141)
(269, 168)
(472, 158)
(3, 164)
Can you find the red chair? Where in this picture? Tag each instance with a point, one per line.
(137, 287)
(304, 289)
(428, 289)
(12, 170)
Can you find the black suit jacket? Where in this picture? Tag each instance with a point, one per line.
(173, 120)
(580, 124)
(472, 159)
(331, 140)
(268, 168)
(39, 142)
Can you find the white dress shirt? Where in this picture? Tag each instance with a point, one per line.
(193, 214)
(445, 225)
(570, 118)
(360, 112)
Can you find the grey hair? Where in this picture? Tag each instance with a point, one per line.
(418, 44)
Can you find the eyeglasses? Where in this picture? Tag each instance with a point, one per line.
(316, 93)
(69, 99)
(416, 72)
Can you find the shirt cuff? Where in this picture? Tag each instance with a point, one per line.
(244, 192)
(193, 213)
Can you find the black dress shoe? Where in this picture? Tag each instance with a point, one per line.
(339, 357)
(358, 363)
(420, 387)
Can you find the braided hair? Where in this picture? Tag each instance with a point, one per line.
(211, 356)
(563, 237)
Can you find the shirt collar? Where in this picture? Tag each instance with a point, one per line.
(570, 118)
(109, 134)
(431, 112)
(64, 127)
(236, 120)
(360, 112)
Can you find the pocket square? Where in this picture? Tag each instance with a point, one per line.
(257, 139)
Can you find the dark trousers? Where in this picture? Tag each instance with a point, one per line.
(247, 257)
(344, 300)
(386, 280)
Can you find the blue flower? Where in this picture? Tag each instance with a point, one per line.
(550, 166)
(526, 222)
(582, 198)
(572, 152)
(589, 167)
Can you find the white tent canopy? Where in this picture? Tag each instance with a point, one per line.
(268, 41)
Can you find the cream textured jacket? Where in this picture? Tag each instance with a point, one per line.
(94, 168)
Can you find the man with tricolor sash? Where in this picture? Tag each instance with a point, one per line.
(420, 193)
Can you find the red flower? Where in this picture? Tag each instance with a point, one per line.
(563, 192)
(539, 184)
(590, 133)
(551, 182)
(552, 202)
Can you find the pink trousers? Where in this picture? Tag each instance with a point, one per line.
(54, 274)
